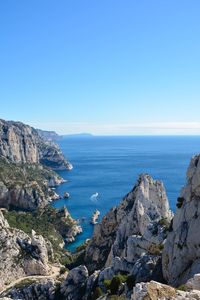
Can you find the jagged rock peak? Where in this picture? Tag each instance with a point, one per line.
(181, 254)
(22, 143)
(137, 220)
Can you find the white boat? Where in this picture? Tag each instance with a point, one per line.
(94, 197)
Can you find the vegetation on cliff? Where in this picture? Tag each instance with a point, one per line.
(46, 223)
(26, 186)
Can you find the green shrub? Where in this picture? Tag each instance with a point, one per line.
(62, 270)
(123, 277)
(130, 281)
(107, 283)
(183, 288)
(44, 222)
(97, 293)
(115, 284)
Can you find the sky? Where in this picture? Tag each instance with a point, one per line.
(104, 66)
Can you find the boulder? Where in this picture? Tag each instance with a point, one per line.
(74, 286)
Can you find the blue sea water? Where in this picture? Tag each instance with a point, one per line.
(110, 166)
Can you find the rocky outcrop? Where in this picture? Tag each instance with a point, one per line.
(45, 289)
(26, 186)
(26, 163)
(137, 227)
(95, 216)
(21, 143)
(153, 290)
(66, 225)
(181, 254)
(74, 286)
(20, 255)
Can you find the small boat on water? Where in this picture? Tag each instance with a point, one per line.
(94, 197)
(66, 195)
(95, 217)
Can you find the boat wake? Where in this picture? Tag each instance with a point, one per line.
(94, 197)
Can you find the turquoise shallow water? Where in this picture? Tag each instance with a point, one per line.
(110, 166)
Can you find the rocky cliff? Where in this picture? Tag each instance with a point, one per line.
(181, 254)
(49, 135)
(21, 143)
(20, 255)
(133, 246)
(133, 229)
(27, 162)
(26, 186)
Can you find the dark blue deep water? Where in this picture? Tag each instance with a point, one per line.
(110, 166)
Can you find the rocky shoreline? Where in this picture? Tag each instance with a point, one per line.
(138, 251)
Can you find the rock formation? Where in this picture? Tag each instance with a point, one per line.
(49, 135)
(20, 255)
(73, 288)
(137, 240)
(137, 227)
(181, 254)
(95, 216)
(26, 186)
(21, 143)
(26, 163)
(45, 289)
(153, 291)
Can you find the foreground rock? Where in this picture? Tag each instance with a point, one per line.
(20, 255)
(74, 286)
(181, 254)
(135, 230)
(45, 289)
(153, 291)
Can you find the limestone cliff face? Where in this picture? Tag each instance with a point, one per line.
(27, 162)
(20, 255)
(21, 143)
(181, 255)
(133, 229)
(26, 186)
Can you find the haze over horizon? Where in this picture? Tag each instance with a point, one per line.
(107, 67)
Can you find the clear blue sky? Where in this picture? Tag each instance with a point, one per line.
(73, 65)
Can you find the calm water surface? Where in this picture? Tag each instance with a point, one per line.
(110, 166)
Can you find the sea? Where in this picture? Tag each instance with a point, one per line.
(108, 166)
